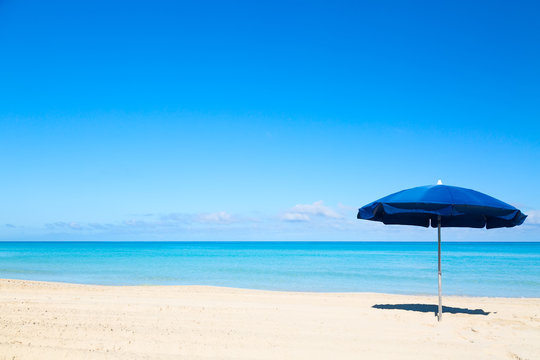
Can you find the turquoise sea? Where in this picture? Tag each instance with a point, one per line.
(477, 269)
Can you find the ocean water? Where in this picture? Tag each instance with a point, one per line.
(475, 269)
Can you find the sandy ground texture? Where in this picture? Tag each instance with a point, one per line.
(65, 321)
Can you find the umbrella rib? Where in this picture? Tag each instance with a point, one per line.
(453, 203)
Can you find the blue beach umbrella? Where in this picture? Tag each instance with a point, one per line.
(442, 206)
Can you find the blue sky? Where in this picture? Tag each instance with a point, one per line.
(261, 120)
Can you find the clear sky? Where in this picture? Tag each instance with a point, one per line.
(168, 120)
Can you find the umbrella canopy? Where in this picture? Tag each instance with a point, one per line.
(457, 207)
(442, 206)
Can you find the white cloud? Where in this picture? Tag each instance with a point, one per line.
(290, 216)
(317, 208)
(75, 226)
(314, 221)
(133, 222)
(533, 217)
(220, 217)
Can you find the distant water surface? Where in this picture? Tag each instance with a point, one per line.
(477, 269)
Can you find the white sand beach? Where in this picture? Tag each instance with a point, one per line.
(42, 320)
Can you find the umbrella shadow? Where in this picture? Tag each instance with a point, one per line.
(427, 308)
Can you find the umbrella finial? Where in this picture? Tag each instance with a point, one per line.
(439, 182)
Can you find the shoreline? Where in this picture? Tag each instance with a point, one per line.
(217, 288)
(49, 320)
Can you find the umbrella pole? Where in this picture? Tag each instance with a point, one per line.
(439, 315)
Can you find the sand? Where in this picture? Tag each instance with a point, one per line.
(66, 321)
